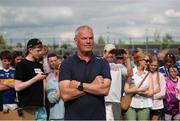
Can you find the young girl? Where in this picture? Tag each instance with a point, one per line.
(171, 101)
(159, 86)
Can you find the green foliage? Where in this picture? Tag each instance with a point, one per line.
(19, 45)
(2, 41)
(65, 46)
(101, 40)
(167, 39)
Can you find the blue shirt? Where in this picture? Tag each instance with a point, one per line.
(9, 95)
(56, 104)
(88, 106)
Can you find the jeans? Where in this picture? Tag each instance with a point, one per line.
(40, 114)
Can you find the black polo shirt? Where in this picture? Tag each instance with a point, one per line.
(89, 106)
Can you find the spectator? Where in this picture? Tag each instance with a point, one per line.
(161, 56)
(17, 56)
(53, 93)
(171, 102)
(84, 80)
(29, 82)
(66, 55)
(113, 112)
(141, 101)
(159, 87)
(119, 56)
(7, 86)
(169, 60)
(46, 67)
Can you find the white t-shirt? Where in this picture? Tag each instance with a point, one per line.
(116, 84)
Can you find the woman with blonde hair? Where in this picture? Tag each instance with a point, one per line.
(141, 86)
(159, 87)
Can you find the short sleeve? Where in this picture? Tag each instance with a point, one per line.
(123, 69)
(19, 73)
(106, 69)
(65, 71)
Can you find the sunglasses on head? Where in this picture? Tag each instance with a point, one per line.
(169, 55)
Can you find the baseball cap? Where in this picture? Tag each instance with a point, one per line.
(109, 47)
(33, 42)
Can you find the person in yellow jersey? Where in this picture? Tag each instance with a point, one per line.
(8, 94)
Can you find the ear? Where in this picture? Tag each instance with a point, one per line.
(105, 54)
(29, 49)
(75, 39)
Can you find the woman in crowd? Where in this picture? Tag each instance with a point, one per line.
(171, 102)
(159, 86)
(17, 56)
(169, 60)
(142, 99)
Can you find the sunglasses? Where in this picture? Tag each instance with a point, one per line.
(119, 57)
(146, 60)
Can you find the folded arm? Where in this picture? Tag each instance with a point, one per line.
(68, 91)
(99, 86)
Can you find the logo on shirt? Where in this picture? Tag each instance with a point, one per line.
(37, 70)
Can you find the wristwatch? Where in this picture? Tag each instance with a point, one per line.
(80, 87)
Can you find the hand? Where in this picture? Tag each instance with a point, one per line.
(40, 76)
(126, 54)
(143, 89)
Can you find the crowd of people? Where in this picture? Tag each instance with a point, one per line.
(38, 85)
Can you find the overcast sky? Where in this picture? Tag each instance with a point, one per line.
(113, 18)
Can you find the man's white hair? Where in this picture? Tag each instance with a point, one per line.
(82, 27)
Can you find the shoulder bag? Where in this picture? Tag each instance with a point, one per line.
(126, 100)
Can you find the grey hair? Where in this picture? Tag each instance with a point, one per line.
(82, 27)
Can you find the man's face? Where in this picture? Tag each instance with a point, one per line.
(36, 52)
(53, 62)
(6, 63)
(84, 40)
(110, 57)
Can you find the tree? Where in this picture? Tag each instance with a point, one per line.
(2, 42)
(19, 45)
(65, 46)
(157, 37)
(167, 40)
(101, 40)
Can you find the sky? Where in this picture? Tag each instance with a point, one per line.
(112, 19)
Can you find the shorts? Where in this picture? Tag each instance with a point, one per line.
(158, 112)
